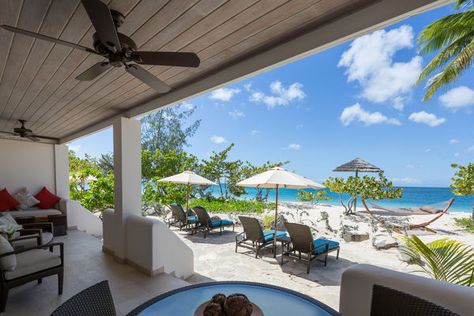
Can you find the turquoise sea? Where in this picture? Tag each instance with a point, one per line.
(412, 197)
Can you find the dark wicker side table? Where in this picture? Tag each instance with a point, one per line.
(59, 224)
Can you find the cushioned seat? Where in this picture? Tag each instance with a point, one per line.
(320, 245)
(268, 234)
(46, 237)
(34, 212)
(221, 222)
(192, 219)
(33, 261)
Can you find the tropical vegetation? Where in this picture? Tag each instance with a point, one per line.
(443, 259)
(164, 142)
(366, 187)
(463, 183)
(454, 36)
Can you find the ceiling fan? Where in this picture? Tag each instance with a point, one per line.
(24, 132)
(118, 49)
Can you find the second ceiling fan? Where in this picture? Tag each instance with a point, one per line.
(118, 49)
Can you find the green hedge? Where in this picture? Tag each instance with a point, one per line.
(238, 206)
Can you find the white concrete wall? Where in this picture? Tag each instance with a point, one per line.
(153, 248)
(27, 164)
(80, 218)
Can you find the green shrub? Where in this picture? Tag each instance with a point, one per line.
(465, 223)
(268, 221)
(230, 205)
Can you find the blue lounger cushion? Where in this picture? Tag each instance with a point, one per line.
(268, 234)
(192, 219)
(320, 245)
(221, 222)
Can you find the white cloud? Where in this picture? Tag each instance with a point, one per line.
(224, 94)
(470, 149)
(457, 154)
(369, 61)
(426, 118)
(237, 114)
(453, 141)
(357, 113)
(248, 87)
(406, 180)
(294, 146)
(218, 139)
(459, 97)
(74, 147)
(280, 95)
(427, 150)
(187, 106)
(254, 132)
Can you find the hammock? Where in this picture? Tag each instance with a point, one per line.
(408, 212)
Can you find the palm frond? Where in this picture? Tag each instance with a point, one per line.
(442, 259)
(459, 63)
(445, 56)
(444, 31)
(467, 4)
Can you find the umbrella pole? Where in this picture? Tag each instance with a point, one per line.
(187, 199)
(275, 222)
(355, 200)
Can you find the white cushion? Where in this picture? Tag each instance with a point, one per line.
(6, 220)
(25, 198)
(9, 262)
(34, 212)
(46, 237)
(32, 261)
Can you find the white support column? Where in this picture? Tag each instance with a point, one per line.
(127, 169)
(61, 170)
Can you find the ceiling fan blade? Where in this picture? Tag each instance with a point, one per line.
(167, 58)
(43, 137)
(9, 133)
(32, 138)
(103, 23)
(94, 71)
(48, 38)
(145, 76)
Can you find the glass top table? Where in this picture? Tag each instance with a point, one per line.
(272, 300)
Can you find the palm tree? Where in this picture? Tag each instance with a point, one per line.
(443, 259)
(454, 34)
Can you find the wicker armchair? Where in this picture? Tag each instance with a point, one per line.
(93, 301)
(33, 264)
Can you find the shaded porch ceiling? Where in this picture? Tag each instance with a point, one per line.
(232, 38)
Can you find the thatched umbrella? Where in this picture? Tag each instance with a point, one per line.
(357, 165)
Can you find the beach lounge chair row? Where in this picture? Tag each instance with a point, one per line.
(299, 241)
(201, 221)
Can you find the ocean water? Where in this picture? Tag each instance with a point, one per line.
(412, 197)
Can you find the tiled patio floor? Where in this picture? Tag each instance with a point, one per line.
(85, 265)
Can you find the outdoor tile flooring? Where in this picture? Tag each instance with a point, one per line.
(85, 265)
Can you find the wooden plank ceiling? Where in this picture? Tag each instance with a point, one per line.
(37, 78)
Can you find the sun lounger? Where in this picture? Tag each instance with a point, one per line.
(302, 242)
(181, 219)
(207, 224)
(254, 236)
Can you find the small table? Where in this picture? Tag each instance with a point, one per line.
(272, 300)
(285, 242)
(59, 224)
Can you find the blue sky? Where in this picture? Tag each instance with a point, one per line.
(353, 100)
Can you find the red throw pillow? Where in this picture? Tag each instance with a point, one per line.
(46, 198)
(6, 201)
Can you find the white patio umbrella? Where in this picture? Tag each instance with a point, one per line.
(277, 178)
(187, 178)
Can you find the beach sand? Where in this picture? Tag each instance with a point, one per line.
(215, 257)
